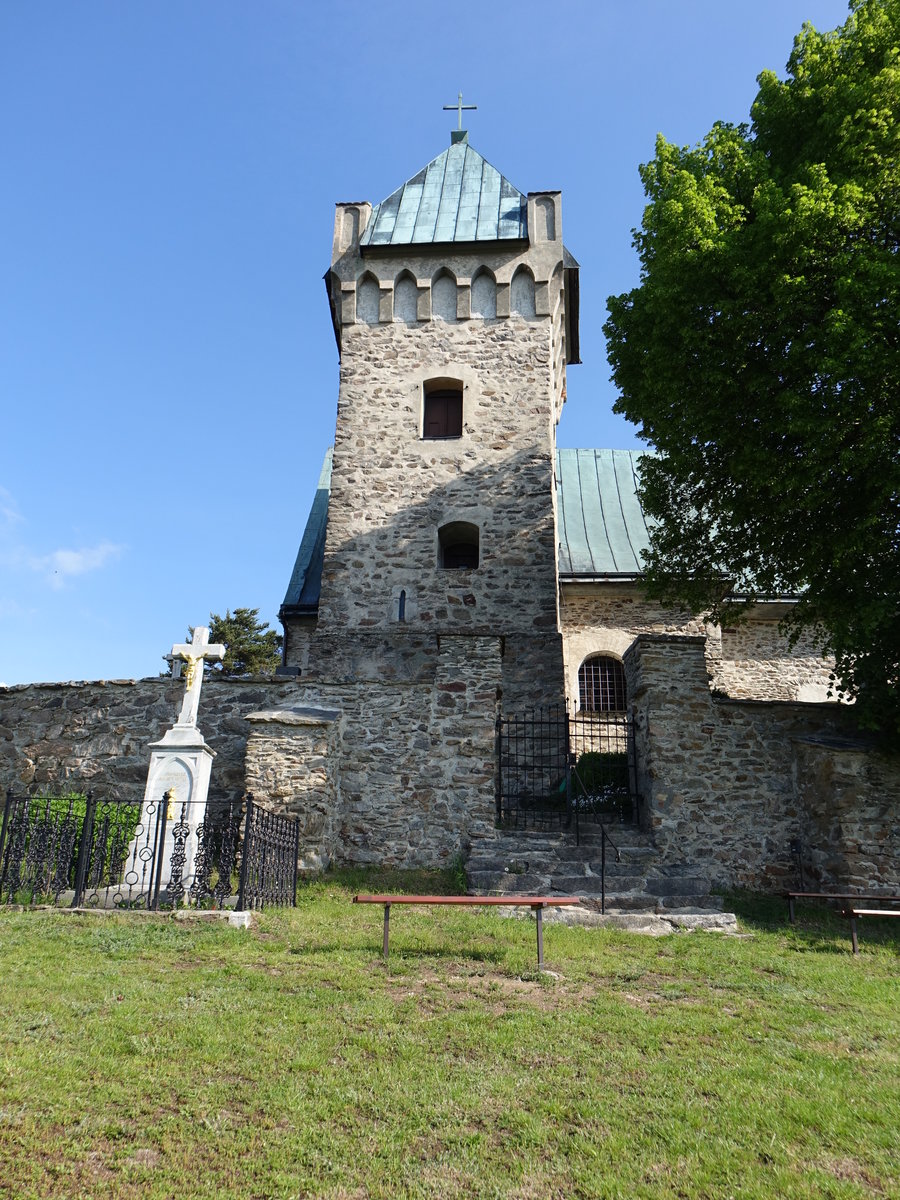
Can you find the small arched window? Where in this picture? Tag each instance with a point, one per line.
(484, 295)
(442, 411)
(458, 543)
(444, 297)
(601, 684)
(368, 296)
(406, 298)
(521, 293)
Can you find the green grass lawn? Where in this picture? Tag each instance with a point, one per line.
(151, 1059)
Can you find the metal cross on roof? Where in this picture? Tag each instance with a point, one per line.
(459, 106)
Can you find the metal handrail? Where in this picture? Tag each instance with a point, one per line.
(604, 836)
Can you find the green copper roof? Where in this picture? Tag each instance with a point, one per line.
(602, 527)
(458, 197)
(302, 596)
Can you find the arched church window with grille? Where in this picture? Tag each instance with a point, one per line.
(601, 684)
(458, 546)
(442, 409)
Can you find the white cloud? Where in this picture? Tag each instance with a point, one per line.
(59, 566)
(9, 511)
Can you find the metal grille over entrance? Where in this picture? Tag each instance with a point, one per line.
(556, 768)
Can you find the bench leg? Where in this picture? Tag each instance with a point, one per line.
(854, 940)
(387, 923)
(539, 914)
(791, 909)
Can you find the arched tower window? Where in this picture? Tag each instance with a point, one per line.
(601, 684)
(368, 296)
(442, 413)
(406, 299)
(443, 297)
(458, 542)
(484, 295)
(545, 212)
(521, 293)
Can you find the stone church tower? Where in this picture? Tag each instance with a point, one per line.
(455, 309)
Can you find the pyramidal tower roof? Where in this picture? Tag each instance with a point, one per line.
(458, 197)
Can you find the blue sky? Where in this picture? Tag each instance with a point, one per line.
(168, 375)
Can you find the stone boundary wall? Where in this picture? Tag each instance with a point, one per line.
(399, 775)
(727, 784)
(753, 661)
(96, 735)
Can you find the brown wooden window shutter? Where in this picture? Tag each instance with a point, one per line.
(443, 413)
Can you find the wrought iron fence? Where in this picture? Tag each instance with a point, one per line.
(269, 861)
(555, 767)
(81, 851)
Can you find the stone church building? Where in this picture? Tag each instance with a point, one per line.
(458, 574)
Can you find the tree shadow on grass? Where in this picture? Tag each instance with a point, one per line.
(818, 928)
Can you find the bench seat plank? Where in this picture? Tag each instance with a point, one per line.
(853, 913)
(840, 896)
(860, 897)
(533, 901)
(536, 903)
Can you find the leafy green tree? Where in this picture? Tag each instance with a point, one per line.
(251, 647)
(760, 354)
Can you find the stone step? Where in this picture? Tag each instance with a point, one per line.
(588, 835)
(705, 901)
(488, 883)
(676, 885)
(589, 885)
(501, 855)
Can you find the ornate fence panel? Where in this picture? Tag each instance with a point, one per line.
(603, 775)
(555, 768)
(532, 769)
(269, 860)
(81, 851)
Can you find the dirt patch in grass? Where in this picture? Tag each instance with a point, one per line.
(851, 1171)
(493, 991)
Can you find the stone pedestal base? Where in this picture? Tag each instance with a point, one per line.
(180, 766)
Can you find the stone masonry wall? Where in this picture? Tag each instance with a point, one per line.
(728, 784)
(757, 663)
(752, 661)
(851, 809)
(96, 735)
(403, 776)
(392, 490)
(292, 766)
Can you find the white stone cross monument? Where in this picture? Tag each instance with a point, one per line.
(180, 764)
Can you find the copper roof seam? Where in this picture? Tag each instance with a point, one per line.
(622, 502)
(587, 536)
(612, 553)
(480, 194)
(462, 176)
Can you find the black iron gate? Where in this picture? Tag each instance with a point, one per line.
(555, 768)
(80, 851)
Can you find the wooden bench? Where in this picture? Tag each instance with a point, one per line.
(853, 913)
(857, 897)
(536, 903)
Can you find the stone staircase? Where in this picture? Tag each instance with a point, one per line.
(548, 863)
